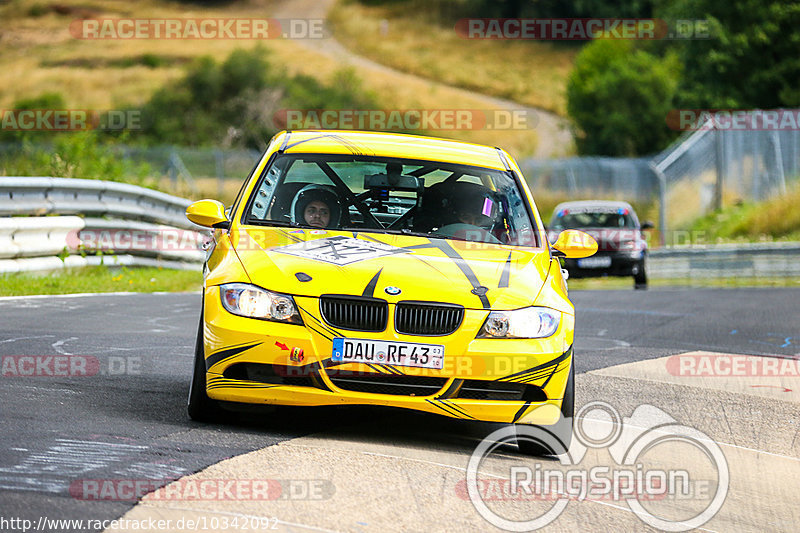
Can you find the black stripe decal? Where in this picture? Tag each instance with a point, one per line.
(551, 376)
(322, 324)
(285, 141)
(504, 277)
(216, 357)
(454, 256)
(457, 408)
(548, 364)
(376, 368)
(451, 413)
(503, 159)
(319, 332)
(521, 411)
(392, 370)
(369, 290)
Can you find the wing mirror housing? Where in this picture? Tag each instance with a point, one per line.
(208, 213)
(574, 244)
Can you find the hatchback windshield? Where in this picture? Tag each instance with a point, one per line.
(608, 219)
(389, 195)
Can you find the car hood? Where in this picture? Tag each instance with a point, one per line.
(316, 262)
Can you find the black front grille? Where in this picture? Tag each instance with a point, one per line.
(354, 313)
(427, 318)
(390, 384)
(475, 389)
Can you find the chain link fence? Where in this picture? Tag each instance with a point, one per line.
(702, 170)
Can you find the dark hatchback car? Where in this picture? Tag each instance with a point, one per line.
(622, 248)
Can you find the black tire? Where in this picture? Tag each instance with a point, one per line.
(199, 406)
(557, 438)
(640, 278)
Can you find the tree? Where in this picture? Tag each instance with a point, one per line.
(618, 96)
(750, 59)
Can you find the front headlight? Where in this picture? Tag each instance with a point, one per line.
(247, 300)
(527, 323)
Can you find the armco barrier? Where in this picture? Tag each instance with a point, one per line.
(32, 241)
(71, 196)
(758, 260)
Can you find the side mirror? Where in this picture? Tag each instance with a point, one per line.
(574, 244)
(647, 225)
(208, 213)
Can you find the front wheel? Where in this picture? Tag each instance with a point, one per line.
(554, 439)
(199, 406)
(640, 277)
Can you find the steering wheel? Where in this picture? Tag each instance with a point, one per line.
(466, 230)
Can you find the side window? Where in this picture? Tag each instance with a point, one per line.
(261, 200)
(262, 196)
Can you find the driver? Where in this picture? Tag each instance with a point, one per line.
(474, 205)
(472, 210)
(316, 205)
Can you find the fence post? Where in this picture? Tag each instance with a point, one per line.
(219, 159)
(662, 202)
(718, 152)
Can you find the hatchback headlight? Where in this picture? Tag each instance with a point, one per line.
(247, 300)
(527, 323)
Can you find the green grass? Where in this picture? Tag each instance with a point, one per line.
(101, 279)
(408, 37)
(770, 220)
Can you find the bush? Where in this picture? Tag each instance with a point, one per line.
(74, 155)
(619, 96)
(51, 100)
(235, 103)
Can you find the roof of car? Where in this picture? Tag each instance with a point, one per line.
(587, 204)
(390, 145)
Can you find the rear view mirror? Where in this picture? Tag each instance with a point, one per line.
(648, 225)
(395, 182)
(574, 244)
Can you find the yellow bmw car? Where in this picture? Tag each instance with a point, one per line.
(386, 269)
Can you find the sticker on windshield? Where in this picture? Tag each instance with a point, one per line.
(339, 250)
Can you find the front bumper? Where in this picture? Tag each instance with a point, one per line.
(260, 362)
(622, 264)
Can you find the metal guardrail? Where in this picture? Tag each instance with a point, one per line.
(757, 260)
(67, 196)
(40, 229)
(149, 228)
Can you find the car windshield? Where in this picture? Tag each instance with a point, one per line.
(617, 218)
(390, 195)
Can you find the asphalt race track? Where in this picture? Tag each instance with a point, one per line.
(374, 469)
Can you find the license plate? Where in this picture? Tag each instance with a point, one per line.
(388, 353)
(595, 262)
